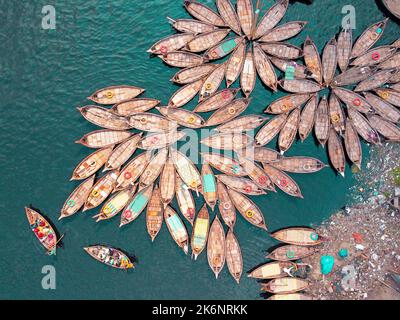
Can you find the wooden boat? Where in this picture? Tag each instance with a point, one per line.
(203, 13)
(136, 205)
(233, 255)
(241, 184)
(384, 109)
(271, 18)
(284, 32)
(395, 202)
(185, 200)
(216, 247)
(225, 205)
(388, 129)
(212, 82)
(352, 99)
(248, 209)
(223, 48)
(289, 131)
(187, 170)
(375, 56)
(224, 164)
(264, 68)
(103, 138)
(307, 118)
(101, 190)
(362, 126)
(242, 124)
(171, 43)
(182, 59)
(227, 141)
(270, 130)
(154, 214)
(154, 168)
(353, 75)
(104, 118)
(91, 164)
(271, 270)
(336, 114)
(256, 173)
(160, 140)
(205, 41)
(376, 80)
(77, 198)
(229, 15)
(110, 257)
(235, 64)
(192, 74)
(290, 296)
(298, 164)
(122, 153)
(262, 154)
(200, 232)
(291, 252)
(300, 71)
(282, 50)
(132, 171)
(285, 285)
(283, 181)
(298, 236)
(209, 186)
(185, 94)
(393, 6)
(322, 122)
(246, 16)
(191, 25)
(329, 61)
(368, 38)
(249, 74)
(287, 103)
(228, 112)
(115, 204)
(134, 106)
(115, 94)
(176, 228)
(167, 182)
(43, 230)
(312, 59)
(392, 62)
(183, 117)
(389, 95)
(344, 46)
(336, 152)
(299, 86)
(352, 144)
(217, 100)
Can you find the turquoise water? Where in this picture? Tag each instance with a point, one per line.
(45, 74)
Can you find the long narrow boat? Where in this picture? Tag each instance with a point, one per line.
(270, 130)
(256, 173)
(171, 43)
(352, 99)
(393, 6)
(249, 75)
(282, 50)
(344, 46)
(389, 95)
(228, 112)
(154, 168)
(43, 231)
(329, 61)
(216, 247)
(300, 86)
(152, 123)
(134, 106)
(298, 70)
(192, 74)
(312, 59)
(374, 56)
(91, 164)
(336, 152)
(290, 297)
(115, 204)
(132, 171)
(248, 209)
(298, 236)
(209, 186)
(386, 128)
(285, 285)
(200, 232)
(223, 48)
(136, 205)
(242, 124)
(77, 198)
(224, 164)
(266, 155)
(187, 170)
(353, 75)
(227, 141)
(264, 68)
(176, 228)
(377, 80)
(283, 181)
(103, 138)
(167, 182)
(183, 117)
(307, 118)
(160, 140)
(104, 118)
(181, 59)
(217, 100)
(362, 126)
(185, 94)
(383, 108)
(225, 205)
(229, 15)
(287, 103)
(115, 94)
(271, 18)
(154, 214)
(212, 82)
(288, 132)
(336, 114)
(203, 13)
(122, 153)
(284, 32)
(110, 256)
(298, 164)
(205, 41)
(235, 64)
(291, 252)
(233, 255)
(241, 184)
(191, 25)
(322, 122)
(101, 190)
(352, 144)
(246, 16)
(271, 270)
(185, 200)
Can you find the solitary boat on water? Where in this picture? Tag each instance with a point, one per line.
(110, 256)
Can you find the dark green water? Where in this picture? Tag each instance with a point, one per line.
(45, 74)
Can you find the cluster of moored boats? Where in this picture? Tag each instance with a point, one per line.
(281, 273)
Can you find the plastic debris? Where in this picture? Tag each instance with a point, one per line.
(327, 263)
